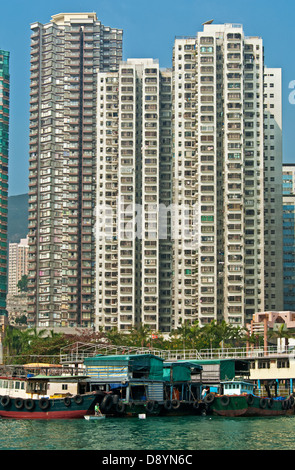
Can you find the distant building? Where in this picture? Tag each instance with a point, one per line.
(17, 264)
(4, 133)
(17, 306)
(289, 235)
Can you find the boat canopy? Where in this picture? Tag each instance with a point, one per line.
(125, 366)
(226, 366)
(180, 371)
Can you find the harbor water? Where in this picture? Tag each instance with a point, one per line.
(187, 433)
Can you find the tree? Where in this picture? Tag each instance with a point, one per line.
(22, 320)
(282, 333)
(22, 284)
(186, 336)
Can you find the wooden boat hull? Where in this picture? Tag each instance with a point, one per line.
(249, 405)
(58, 408)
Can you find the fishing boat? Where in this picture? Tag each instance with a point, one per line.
(25, 395)
(182, 389)
(129, 385)
(238, 399)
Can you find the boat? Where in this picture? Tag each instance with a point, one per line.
(94, 417)
(128, 384)
(238, 399)
(25, 395)
(182, 389)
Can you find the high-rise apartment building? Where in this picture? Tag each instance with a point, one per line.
(66, 53)
(4, 140)
(289, 235)
(134, 188)
(273, 202)
(219, 119)
(17, 264)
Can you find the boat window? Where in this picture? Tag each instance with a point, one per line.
(17, 385)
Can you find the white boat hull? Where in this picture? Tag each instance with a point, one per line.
(89, 417)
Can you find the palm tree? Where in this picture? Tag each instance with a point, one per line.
(282, 333)
(12, 341)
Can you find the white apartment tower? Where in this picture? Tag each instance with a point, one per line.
(218, 127)
(17, 264)
(66, 54)
(134, 188)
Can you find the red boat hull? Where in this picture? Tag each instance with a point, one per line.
(70, 408)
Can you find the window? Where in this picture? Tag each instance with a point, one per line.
(263, 364)
(283, 363)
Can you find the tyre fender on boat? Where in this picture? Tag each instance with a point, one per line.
(107, 403)
(285, 404)
(18, 403)
(5, 401)
(224, 400)
(150, 406)
(29, 404)
(196, 405)
(209, 398)
(175, 404)
(250, 399)
(270, 403)
(78, 399)
(67, 401)
(44, 403)
(120, 407)
(292, 401)
(262, 402)
(167, 404)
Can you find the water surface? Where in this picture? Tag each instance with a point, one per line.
(155, 433)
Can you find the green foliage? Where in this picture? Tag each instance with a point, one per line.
(187, 336)
(22, 284)
(30, 345)
(21, 320)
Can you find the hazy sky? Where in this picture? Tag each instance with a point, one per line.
(149, 29)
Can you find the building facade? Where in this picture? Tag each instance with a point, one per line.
(66, 53)
(289, 235)
(155, 195)
(4, 141)
(219, 119)
(273, 200)
(133, 239)
(17, 264)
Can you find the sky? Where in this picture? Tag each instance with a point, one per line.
(149, 30)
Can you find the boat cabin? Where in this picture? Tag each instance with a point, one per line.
(130, 377)
(237, 387)
(182, 381)
(26, 382)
